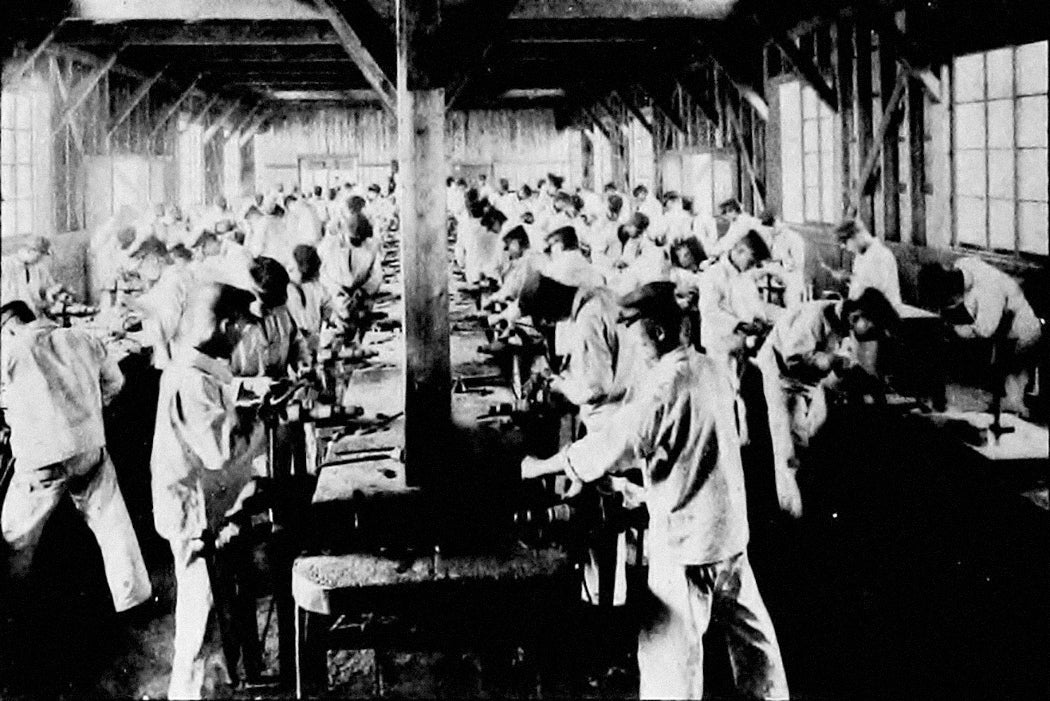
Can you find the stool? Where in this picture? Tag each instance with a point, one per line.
(362, 601)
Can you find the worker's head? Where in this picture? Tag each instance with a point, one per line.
(687, 254)
(640, 193)
(216, 317)
(729, 209)
(672, 202)
(554, 183)
(614, 204)
(940, 288)
(373, 191)
(749, 251)
(528, 217)
(504, 186)
(15, 314)
(360, 229)
(357, 204)
(493, 220)
(546, 300)
(609, 188)
(652, 313)
(854, 236)
(222, 202)
(126, 237)
(208, 244)
(180, 255)
(307, 263)
(870, 316)
(561, 241)
(524, 192)
(562, 202)
(271, 282)
(636, 226)
(34, 249)
(516, 242)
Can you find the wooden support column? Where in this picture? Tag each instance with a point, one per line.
(136, 97)
(864, 203)
(917, 150)
(844, 80)
(891, 167)
(424, 247)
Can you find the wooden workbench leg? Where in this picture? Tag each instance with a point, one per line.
(311, 654)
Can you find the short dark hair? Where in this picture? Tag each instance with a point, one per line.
(20, 309)
(232, 303)
(671, 195)
(768, 217)
(567, 236)
(179, 251)
(493, 217)
(655, 306)
(640, 221)
(357, 203)
(374, 187)
(308, 262)
(610, 187)
(874, 306)
(272, 281)
(639, 189)
(694, 247)
(615, 203)
(518, 234)
(847, 229)
(757, 244)
(544, 298)
(318, 190)
(730, 205)
(939, 287)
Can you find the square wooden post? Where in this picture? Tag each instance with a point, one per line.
(424, 251)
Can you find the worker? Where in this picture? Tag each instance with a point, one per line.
(787, 251)
(477, 249)
(812, 349)
(200, 461)
(269, 347)
(55, 382)
(567, 262)
(269, 237)
(604, 243)
(112, 264)
(651, 262)
(679, 425)
(303, 225)
(308, 299)
(26, 276)
(980, 301)
(733, 222)
(595, 376)
(352, 271)
(647, 204)
(521, 263)
(164, 304)
(677, 222)
(687, 255)
(731, 308)
(874, 265)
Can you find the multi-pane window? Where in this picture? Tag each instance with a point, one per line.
(808, 134)
(16, 178)
(999, 137)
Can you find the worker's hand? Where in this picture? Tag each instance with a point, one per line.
(822, 362)
(788, 494)
(574, 488)
(532, 468)
(557, 385)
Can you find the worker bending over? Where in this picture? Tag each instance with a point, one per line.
(679, 424)
(25, 276)
(200, 462)
(55, 382)
(980, 301)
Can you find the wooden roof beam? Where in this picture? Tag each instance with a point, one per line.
(496, 20)
(174, 107)
(371, 70)
(887, 28)
(805, 66)
(16, 68)
(661, 102)
(253, 127)
(136, 97)
(626, 96)
(199, 117)
(219, 123)
(170, 32)
(83, 91)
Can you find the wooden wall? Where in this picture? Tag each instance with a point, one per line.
(521, 145)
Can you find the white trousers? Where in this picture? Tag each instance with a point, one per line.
(91, 481)
(193, 632)
(670, 643)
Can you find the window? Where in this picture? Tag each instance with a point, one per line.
(808, 137)
(16, 179)
(999, 144)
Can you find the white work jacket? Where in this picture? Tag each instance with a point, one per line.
(28, 283)
(989, 293)
(679, 423)
(55, 382)
(194, 434)
(727, 298)
(876, 268)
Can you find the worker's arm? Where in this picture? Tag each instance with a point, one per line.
(718, 318)
(630, 434)
(988, 305)
(591, 366)
(111, 378)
